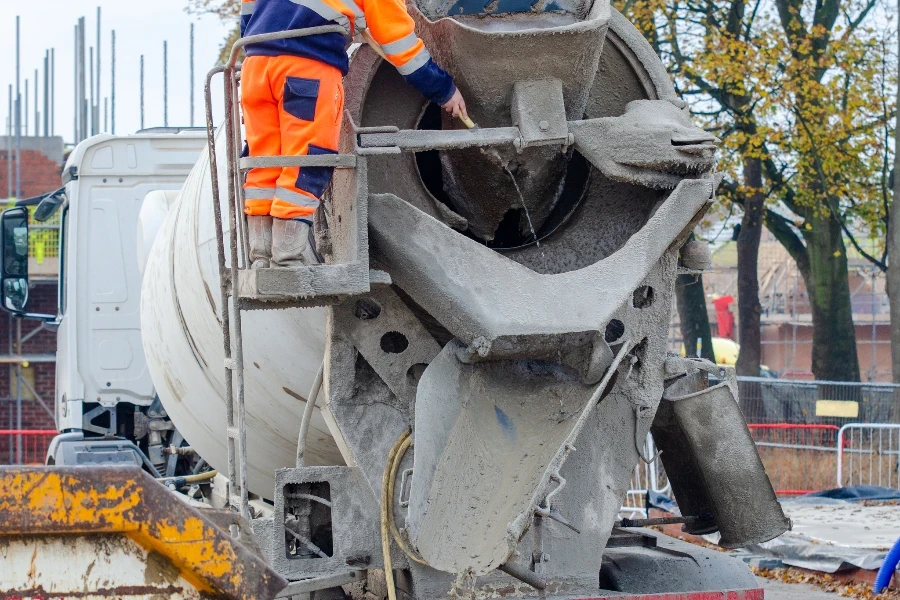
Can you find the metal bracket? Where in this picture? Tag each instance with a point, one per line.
(539, 112)
(404, 488)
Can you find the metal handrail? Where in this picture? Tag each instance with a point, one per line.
(280, 35)
(338, 161)
(232, 338)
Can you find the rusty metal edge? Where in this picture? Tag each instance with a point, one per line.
(126, 500)
(751, 594)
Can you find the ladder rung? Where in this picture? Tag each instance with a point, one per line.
(233, 432)
(338, 161)
(230, 364)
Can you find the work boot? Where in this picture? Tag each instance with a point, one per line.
(260, 234)
(293, 243)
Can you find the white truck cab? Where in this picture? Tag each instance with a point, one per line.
(106, 407)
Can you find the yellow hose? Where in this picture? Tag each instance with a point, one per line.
(386, 505)
(192, 478)
(395, 457)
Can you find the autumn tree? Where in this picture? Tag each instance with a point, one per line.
(797, 90)
(228, 11)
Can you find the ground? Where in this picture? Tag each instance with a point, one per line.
(776, 590)
(787, 584)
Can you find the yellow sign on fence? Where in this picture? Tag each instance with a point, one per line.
(847, 409)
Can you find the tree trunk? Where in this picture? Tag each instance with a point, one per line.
(834, 337)
(749, 308)
(691, 301)
(893, 269)
(893, 241)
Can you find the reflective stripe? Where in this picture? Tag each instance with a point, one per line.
(296, 198)
(415, 63)
(256, 193)
(247, 8)
(326, 12)
(359, 17)
(401, 45)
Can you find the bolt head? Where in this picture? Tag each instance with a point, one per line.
(544, 125)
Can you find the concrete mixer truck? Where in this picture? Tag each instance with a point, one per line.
(455, 400)
(106, 408)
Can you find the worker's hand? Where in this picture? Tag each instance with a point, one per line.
(456, 106)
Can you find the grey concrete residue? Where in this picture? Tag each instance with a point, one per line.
(486, 65)
(524, 339)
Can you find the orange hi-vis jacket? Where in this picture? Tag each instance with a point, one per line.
(387, 22)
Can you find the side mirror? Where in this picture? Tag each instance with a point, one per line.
(14, 259)
(49, 204)
(14, 264)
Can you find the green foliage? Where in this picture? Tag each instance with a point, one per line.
(805, 87)
(227, 10)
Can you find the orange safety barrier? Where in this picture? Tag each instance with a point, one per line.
(25, 446)
(799, 458)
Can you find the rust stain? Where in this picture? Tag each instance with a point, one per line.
(294, 394)
(39, 592)
(125, 500)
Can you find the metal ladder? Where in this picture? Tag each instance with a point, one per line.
(229, 275)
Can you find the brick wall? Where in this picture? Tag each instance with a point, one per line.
(40, 173)
(41, 166)
(41, 375)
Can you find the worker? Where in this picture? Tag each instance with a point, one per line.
(292, 97)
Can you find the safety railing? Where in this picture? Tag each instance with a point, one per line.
(869, 454)
(234, 275)
(24, 446)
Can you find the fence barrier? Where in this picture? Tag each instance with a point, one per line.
(799, 458)
(764, 400)
(869, 454)
(646, 476)
(25, 446)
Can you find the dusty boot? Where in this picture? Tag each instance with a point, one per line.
(293, 244)
(260, 234)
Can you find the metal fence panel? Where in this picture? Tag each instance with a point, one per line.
(799, 458)
(24, 446)
(869, 454)
(764, 400)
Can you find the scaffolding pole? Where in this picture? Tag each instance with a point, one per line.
(192, 74)
(18, 118)
(112, 81)
(52, 91)
(46, 93)
(165, 84)
(142, 91)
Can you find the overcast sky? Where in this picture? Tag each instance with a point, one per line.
(141, 28)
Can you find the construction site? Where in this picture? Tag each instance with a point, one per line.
(393, 314)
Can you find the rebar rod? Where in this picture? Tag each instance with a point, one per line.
(192, 74)
(165, 84)
(142, 91)
(628, 523)
(112, 83)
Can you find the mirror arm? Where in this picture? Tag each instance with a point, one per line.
(51, 320)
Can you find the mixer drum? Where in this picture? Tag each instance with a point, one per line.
(182, 337)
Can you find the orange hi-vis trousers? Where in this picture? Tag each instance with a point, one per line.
(292, 107)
